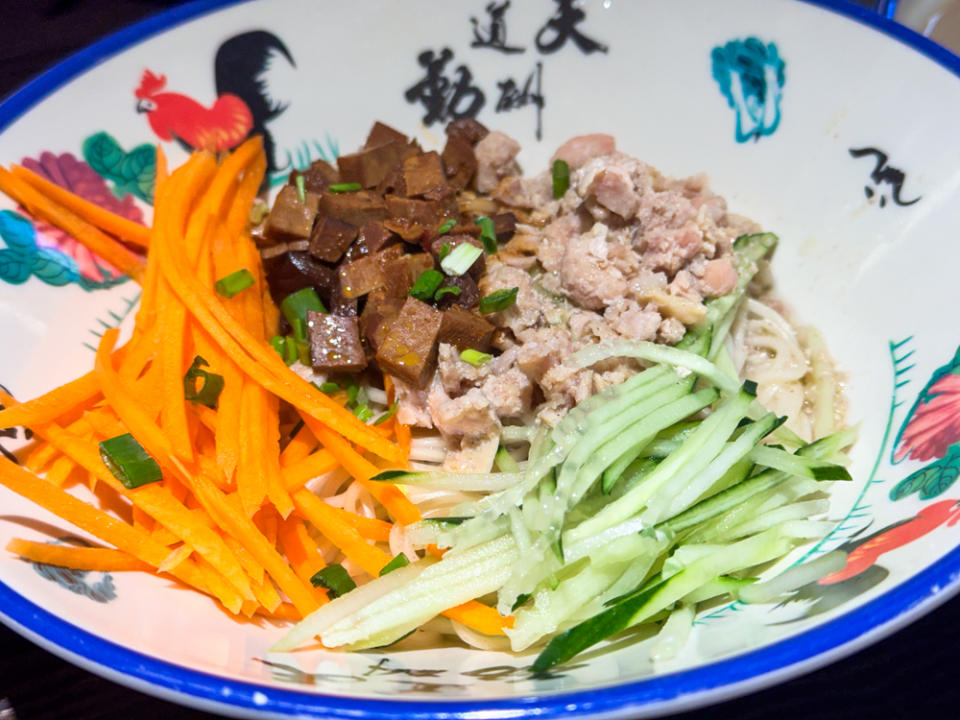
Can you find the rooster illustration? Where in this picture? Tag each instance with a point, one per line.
(861, 572)
(243, 106)
(931, 430)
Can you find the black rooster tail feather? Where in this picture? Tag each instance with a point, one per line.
(239, 69)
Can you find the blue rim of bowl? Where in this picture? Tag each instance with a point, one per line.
(689, 688)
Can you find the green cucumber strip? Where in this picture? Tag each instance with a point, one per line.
(798, 465)
(641, 606)
(505, 461)
(470, 482)
(722, 585)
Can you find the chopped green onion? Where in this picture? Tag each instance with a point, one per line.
(447, 227)
(353, 392)
(426, 285)
(521, 600)
(444, 251)
(398, 562)
(303, 350)
(447, 290)
(345, 187)
(335, 579)
(363, 412)
(460, 259)
(388, 414)
(295, 307)
(290, 352)
(129, 462)
(498, 300)
(475, 357)
(212, 386)
(488, 234)
(329, 387)
(301, 188)
(258, 211)
(233, 283)
(279, 343)
(561, 178)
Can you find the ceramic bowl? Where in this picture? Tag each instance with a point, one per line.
(828, 125)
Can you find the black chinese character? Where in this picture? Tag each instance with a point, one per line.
(563, 25)
(496, 31)
(442, 98)
(883, 174)
(513, 97)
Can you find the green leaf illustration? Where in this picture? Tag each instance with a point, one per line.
(17, 232)
(53, 267)
(132, 172)
(14, 266)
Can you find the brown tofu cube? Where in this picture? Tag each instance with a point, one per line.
(469, 292)
(331, 238)
(381, 133)
(422, 173)
(376, 237)
(335, 343)
(409, 349)
(504, 226)
(356, 208)
(366, 274)
(316, 178)
(467, 129)
(369, 166)
(291, 219)
(479, 265)
(459, 162)
(377, 315)
(402, 273)
(410, 218)
(464, 329)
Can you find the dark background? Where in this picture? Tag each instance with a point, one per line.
(910, 675)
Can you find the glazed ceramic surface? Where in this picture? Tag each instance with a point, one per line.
(838, 136)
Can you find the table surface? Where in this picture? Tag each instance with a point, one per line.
(909, 675)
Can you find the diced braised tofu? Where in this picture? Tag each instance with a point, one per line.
(366, 274)
(377, 315)
(467, 129)
(436, 245)
(335, 343)
(294, 271)
(410, 217)
(409, 350)
(464, 329)
(459, 162)
(369, 166)
(422, 173)
(331, 238)
(316, 178)
(356, 208)
(403, 272)
(504, 225)
(468, 297)
(381, 133)
(376, 237)
(291, 219)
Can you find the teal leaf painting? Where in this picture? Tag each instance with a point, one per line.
(131, 172)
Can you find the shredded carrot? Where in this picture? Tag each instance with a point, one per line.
(85, 233)
(53, 404)
(77, 558)
(97, 216)
(319, 463)
(298, 448)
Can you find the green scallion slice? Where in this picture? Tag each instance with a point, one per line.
(475, 357)
(447, 290)
(363, 412)
(426, 285)
(345, 187)
(290, 352)
(301, 188)
(233, 283)
(295, 307)
(329, 387)
(561, 178)
(444, 251)
(398, 562)
(388, 414)
(353, 393)
(129, 462)
(447, 227)
(460, 259)
(498, 300)
(488, 234)
(209, 392)
(279, 343)
(335, 579)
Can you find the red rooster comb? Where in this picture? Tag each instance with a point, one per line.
(150, 84)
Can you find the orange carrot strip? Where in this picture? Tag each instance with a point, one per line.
(284, 611)
(39, 457)
(369, 528)
(319, 463)
(298, 448)
(52, 405)
(361, 469)
(172, 323)
(251, 481)
(105, 527)
(99, 217)
(85, 233)
(254, 569)
(77, 558)
(267, 594)
(270, 446)
(346, 538)
(162, 173)
(480, 617)
(62, 466)
(300, 548)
